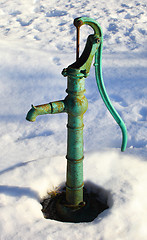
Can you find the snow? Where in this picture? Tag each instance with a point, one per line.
(37, 40)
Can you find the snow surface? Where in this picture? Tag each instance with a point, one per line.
(37, 40)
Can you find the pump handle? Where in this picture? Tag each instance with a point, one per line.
(81, 63)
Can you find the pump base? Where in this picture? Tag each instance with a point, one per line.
(56, 208)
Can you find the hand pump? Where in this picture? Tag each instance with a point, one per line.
(75, 105)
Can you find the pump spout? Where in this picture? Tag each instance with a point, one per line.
(49, 108)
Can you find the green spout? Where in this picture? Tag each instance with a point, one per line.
(49, 108)
(38, 110)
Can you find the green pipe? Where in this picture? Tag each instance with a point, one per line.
(76, 106)
(49, 108)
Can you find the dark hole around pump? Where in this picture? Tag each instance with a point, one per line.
(95, 202)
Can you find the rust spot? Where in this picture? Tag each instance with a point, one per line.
(43, 108)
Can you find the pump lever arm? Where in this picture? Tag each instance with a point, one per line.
(84, 62)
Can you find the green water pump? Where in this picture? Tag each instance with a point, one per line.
(71, 205)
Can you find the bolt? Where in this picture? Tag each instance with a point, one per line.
(97, 40)
(64, 72)
(78, 23)
(84, 72)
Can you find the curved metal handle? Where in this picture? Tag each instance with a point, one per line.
(105, 97)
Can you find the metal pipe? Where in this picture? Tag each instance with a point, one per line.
(78, 43)
(49, 108)
(77, 105)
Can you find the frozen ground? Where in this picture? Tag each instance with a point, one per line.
(37, 40)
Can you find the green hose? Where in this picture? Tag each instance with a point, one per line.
(105, 97)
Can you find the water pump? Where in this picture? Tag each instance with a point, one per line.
(71, 206)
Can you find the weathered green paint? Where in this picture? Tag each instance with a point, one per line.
(49, 108)
(75, 105)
